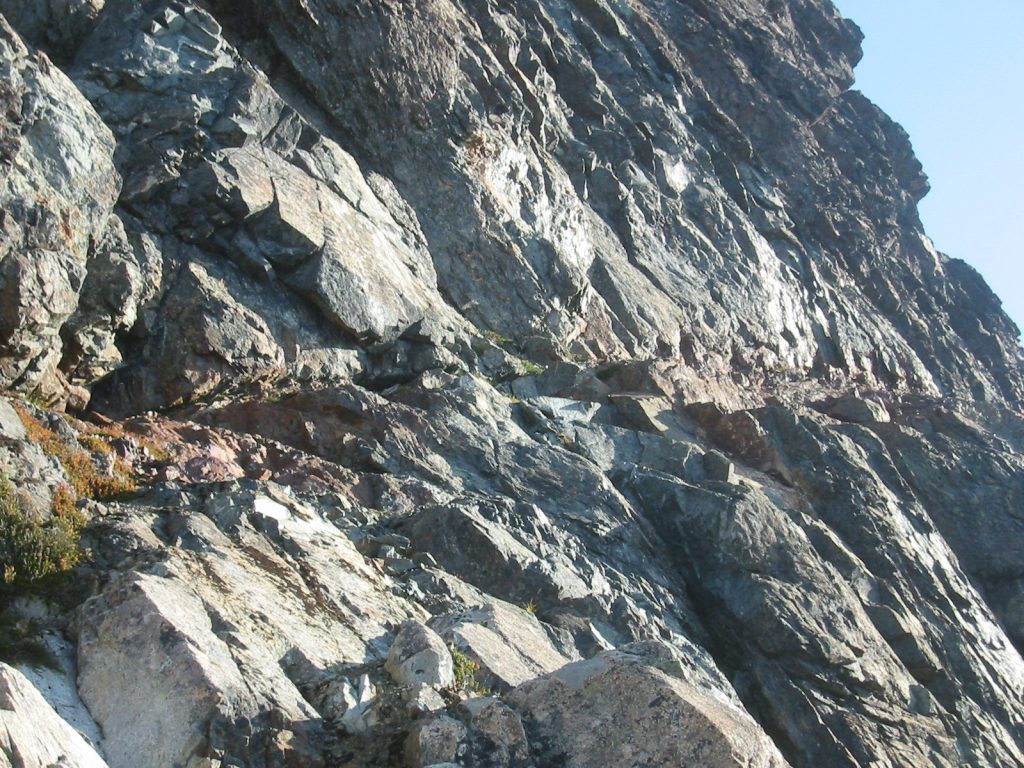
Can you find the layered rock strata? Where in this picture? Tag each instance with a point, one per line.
(553, 383)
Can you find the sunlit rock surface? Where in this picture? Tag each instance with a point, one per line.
(561, 383)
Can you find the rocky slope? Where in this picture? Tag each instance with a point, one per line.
(458, 382)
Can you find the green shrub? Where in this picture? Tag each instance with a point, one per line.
(34, 554)
(497, 339)
(466, 673)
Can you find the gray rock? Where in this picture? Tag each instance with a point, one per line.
(419, 655)
(496, 734)
(509, 645)
(718, 467)
(584, 222)
(434, 740)
(422, 699)
(679, 212)
(592, 712)
(147, 623)
(858, 410)
(59, 26)
(11, 428)
(57, 191)
(32, 734)
(359, 715)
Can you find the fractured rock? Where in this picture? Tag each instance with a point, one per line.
(419, 655)
(33, 734)
(591, 713)
(509, 645)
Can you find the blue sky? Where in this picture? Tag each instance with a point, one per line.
(952, 74)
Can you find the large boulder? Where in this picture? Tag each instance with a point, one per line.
(164, 687)
(627, 708)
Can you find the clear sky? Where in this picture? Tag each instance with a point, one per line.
(952, 74)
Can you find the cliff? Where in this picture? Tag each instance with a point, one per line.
(463, 382)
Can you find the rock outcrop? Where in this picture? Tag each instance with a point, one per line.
(561, 383)
(33, 734)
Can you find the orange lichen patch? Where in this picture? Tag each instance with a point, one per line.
(87, 480)
(95, 437)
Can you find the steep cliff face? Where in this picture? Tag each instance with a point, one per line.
(495, 384)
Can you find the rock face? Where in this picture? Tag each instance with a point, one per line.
(32, 734)
(561, 383)
(58, 186)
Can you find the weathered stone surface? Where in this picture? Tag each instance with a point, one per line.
(158, 679)
(434, 740)
(322, 263)
(58, 186)
(580, 177)
(419, 655)
(857, 531)
(496, 734)
(225, 688)
(718, 467)
(726, 393)
(11, 428)
(57, 25)
(859, 410)
(124, 275)
(592, 713)
(32, 734)
(510, 646)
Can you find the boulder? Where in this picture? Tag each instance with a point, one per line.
(858, 410)
(164, 687)
(718, 467)
(621, 709)
(496, 738)
(419, 655)
(435, 739)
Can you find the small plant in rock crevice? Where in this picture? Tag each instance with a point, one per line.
(466, 671)
(497, 339)
(532, 369)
